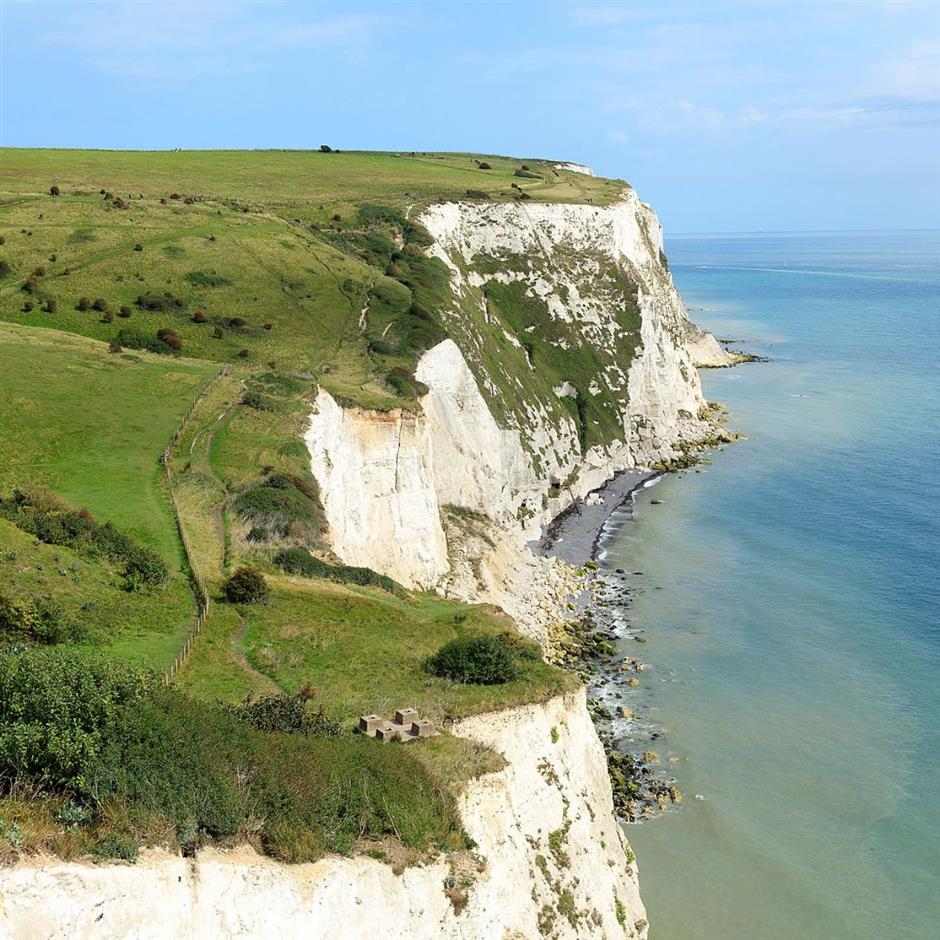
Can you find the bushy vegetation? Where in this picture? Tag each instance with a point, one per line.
(245, 586)
(165, 341)
(285, 504)
(482, 660)
(55, 522)
(36, 620)
(300, 561)
(291, 714)
(103, 735)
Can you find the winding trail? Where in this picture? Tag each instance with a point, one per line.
(237, 649)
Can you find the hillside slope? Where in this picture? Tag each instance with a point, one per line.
(428, 356)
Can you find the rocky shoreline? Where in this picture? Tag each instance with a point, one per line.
(589, 646)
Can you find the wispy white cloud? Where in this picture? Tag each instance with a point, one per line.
(166, 41)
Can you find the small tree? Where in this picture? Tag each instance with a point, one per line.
(125, 311)
(245, 586)
(53, 190)
(325, 148)
(100, 304)
(51, 305)
(83, 304)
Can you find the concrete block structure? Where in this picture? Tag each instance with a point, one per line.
(407, 726)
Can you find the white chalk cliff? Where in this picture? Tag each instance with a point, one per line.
(518, 883)
(490, 439)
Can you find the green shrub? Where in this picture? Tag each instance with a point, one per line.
(286, 713)
(482, 660)
(300, 561)
(245, 586)
(116, 845)
(144, 567)
(5, 268)
(40, 620)
(160, 302)
(285, 504)
(405, 384)
(55, 522)
(254, 399)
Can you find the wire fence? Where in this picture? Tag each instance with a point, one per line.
(200, 592)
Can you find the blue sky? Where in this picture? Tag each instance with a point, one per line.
(726, 116)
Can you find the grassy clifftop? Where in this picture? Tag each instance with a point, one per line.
(294, 260)
(318, 184)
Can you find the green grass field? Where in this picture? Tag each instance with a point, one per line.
(317, 184)
(91, 426)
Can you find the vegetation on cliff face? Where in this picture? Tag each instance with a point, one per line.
(307, 261)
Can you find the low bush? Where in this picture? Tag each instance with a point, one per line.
(39, 620)
(53, 190)
(290, 714)
(254, 399)
(405, 384)
(284, 504)
(116, 845)
(50, 306)
(84, 303)
(125, 311)
(169, 338)
(300, 561)
(53, 521)
(160, 302)
(5, 268)
(100, 304)
(482, 660)
(245, 586)
(526, 174)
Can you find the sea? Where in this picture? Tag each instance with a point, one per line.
(789, 593)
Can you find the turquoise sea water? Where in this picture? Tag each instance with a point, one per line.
(790, 600)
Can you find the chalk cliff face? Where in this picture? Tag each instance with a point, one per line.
(551, 861)
(499, 433)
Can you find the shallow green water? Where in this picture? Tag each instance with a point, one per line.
(790, 602)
